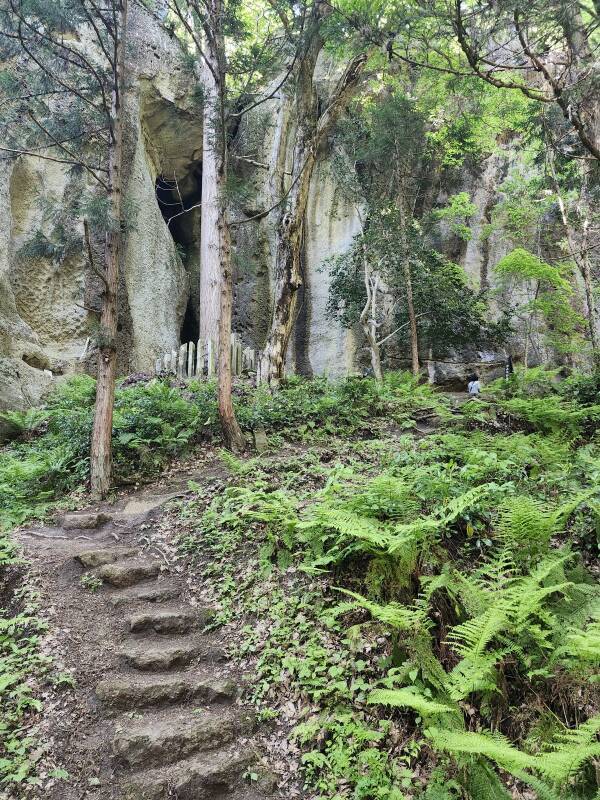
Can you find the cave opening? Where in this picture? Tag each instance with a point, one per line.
(178, 201)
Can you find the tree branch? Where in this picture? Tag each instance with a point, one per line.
(67, 151)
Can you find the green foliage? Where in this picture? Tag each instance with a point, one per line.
(525, 266)
(582, 388)
(561, 763)
(380, 148)
(550, 297)
(457, 213)
(320, 407)
(27, 422)
(90, 582)
(449, 312)
(461, 598)
(154, 422)
(22, 668)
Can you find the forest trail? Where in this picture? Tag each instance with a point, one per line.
(156, 711)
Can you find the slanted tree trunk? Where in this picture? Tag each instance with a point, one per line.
(101, 443)
(210, 268)
(311, 133)
(578, 252)
(368, 317)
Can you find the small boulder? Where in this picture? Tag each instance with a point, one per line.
(91, 559)
(84, 521)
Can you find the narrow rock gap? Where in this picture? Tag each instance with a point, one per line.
(178, 200)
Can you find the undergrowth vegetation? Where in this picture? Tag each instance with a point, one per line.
(23, 667)
(423, 613)
(419, 606)
(155, 421)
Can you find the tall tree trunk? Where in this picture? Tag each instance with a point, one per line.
(218, 147)
(232, 434)
(288, 273)
(412, 319)
(101, 443)
(368, 317)
(578, 250)
(210, 268)
(405, 251)
(312, 132)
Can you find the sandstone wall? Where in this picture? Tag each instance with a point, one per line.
(43, 325)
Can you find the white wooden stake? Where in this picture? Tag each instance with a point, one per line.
(182, 361)
(210, 358)
(191, 362)
(200, 353)
(232, 354)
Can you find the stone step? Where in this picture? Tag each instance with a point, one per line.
(169, 620)
(130, 691)
(158, 655)
(127, 573)
(154, 592)
(202, 777)
(90, 559)
(165, 738)
(84, 521)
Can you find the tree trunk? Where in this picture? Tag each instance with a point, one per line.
(412, 319)
(578, 251)
(101, 442)
(288, 274)
(218, 151)
(232, 434)
(210, 268)
(375, 354)
(311, 133)
(586, 273)
(368, 317)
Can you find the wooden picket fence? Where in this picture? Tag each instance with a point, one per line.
(199, 359)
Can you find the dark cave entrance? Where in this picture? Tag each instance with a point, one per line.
(178, 202)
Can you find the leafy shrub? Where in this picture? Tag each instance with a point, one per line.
(532, 382)
(449, 558)
(582, 388)
(152, 422)
(552, 414)
(22, 666)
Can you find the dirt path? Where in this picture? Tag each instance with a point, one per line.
(156, 711)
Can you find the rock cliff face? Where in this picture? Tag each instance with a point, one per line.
(46, 329)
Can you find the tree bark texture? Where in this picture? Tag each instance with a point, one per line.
(312, 131)
(101, 442)
(210, 268)
(218, 152)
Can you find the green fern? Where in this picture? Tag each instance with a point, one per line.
(410, 697)
(396, 615)
(558, 766)
(581, 648)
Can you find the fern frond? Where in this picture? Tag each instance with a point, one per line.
(559, 766)
(471, 638)
(491, 745)
(351, 526)
(409, 697)
(472, 675)
(398, 616)
(582, 645)
(439, 520)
